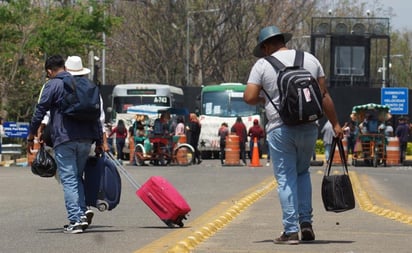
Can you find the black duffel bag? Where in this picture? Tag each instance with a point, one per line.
(337, 192)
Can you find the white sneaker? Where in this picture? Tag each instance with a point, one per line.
(267, 164)
(73, 228)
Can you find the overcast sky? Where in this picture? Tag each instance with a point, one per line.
(403, 11)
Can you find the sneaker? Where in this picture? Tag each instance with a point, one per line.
(73, 228)
(89, 214)
(267, 164)
(86, 220)
(291, 239)
(83, 222)
(307, 231)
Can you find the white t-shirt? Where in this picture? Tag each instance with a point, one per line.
(264, 74)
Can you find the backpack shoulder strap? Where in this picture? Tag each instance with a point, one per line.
(68, 80)
(299, 58)
(278, 65)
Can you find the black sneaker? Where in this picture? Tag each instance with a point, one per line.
(307, 231)
(83, 222)
(86, 219)
(73, 228)
(290, 239)
(89, 214)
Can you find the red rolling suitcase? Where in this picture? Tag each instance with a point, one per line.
(161, 196)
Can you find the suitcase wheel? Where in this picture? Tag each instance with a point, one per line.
(102, 205)
(169, 223)
(180, 224)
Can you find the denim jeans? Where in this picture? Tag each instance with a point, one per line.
(71, 159)
(291, 149)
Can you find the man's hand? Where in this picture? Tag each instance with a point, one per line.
(30, 143)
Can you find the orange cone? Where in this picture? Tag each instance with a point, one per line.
(255, 155)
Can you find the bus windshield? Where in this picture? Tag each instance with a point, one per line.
(122, 103)
(226, 104)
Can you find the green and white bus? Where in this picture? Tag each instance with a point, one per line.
(223, 103)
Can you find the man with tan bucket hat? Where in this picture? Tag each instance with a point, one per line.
(291, 146)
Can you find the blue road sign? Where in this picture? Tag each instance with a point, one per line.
(16, 129)
(396, 99)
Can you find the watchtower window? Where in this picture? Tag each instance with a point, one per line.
(349, 61)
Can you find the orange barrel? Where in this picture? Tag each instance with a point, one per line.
(336, 156)
(182, 139)
(232, 150)
(393, 151)
(131, 149)
(36, 147)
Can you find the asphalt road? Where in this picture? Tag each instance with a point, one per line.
(32, 209)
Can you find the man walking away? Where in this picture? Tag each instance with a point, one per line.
(72, 140)
(291, 145)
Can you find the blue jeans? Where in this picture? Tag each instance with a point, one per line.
(291, 149)
(71, 159)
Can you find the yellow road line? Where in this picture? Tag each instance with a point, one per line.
(186, 239)
(365, 202)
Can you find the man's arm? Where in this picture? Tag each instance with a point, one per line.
(251, 94)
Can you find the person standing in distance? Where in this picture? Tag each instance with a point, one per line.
(223, 132)
(194, 129)
(72, 140)
(291, 147)
(402, 132)
(239, 129)
(255, 131)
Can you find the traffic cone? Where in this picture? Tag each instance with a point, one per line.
(255, 155)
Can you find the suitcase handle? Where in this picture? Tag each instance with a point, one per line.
(157, 203)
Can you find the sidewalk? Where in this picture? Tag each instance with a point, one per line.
(254, 229)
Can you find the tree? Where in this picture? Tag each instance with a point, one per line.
(220, 41)
(29, 33)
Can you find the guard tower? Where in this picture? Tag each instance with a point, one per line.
(352, 50)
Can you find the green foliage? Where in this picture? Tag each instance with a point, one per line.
(28, 34)
(409, 149)
(319, 148)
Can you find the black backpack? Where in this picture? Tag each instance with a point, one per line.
(300, 96)
(81, 100)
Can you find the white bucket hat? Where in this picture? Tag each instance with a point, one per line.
(74, 66)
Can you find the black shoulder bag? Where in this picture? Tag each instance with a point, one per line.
(337, 192)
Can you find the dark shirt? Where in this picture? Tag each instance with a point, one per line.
(256, 131)
(194, 132)
(63, 128)
(240, 130)
(402, 132)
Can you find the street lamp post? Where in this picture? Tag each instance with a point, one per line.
(384, 68)
(188, 79)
